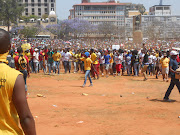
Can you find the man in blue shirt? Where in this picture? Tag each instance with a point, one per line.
(173, 67)
(107, 58)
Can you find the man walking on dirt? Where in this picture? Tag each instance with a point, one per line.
(173, 67)
(13, 103)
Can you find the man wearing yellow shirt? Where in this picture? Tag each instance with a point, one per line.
(165, 67)
(87, 68)
(13, 102)
(56, 57)
(95, 66)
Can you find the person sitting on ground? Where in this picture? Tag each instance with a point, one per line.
(13, 102)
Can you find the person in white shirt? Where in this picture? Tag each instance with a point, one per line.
(118, 60)
(36, 59)
(67, 55)
(101, 61)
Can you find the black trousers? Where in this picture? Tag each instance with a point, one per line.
(171, 86)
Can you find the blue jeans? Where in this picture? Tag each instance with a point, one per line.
(31, 63)
(136, 68)
(128, 67)
(36, 66)
(25, 74)
(50, 64)
(56, 65)
(87, 74)
(66, 64)
(150, 68)
(171, 86)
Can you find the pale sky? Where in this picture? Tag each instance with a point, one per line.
(63, 6)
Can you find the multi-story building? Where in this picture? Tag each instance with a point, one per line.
(102, 12)
(159, 10)
(38, 7)
(160, 27)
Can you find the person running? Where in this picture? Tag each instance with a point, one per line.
(173, 67)
(87, 68)
(13, 102)
(22, 64)
(165, 67)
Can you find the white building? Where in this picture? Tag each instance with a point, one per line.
(38, 7)
(160, 10)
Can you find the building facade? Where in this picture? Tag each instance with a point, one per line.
(38, 7)
(160, 10)
(102, 12)
(160, 27)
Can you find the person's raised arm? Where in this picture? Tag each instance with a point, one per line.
(21, 105)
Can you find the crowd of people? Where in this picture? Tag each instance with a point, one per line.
(94, 62)
(105, 62)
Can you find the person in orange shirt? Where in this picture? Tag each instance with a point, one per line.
(87, 68)
(13, 102)
(95, 65)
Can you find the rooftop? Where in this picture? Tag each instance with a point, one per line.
(101, 4)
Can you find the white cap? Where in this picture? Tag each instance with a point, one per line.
(35, 49)
(174, 53)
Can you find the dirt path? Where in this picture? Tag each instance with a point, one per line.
(114, 106)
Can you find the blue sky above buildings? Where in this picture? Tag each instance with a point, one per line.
(63, 6)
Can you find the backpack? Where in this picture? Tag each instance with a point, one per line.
(22, 62)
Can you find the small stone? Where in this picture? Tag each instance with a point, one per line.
(121, 96)
(84, 94)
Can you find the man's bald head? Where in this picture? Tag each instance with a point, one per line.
(5, 43)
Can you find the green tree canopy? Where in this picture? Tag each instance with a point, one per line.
(10, 11)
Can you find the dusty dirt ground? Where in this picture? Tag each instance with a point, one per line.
(114, 106)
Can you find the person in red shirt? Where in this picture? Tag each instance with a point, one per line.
(22, 64)
(31, 63)
(46, 58)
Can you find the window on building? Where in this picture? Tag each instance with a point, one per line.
(52, 9)
(39, 0)
(32, 10)
(39, 14)
(159, 8)
(32, 0)
(52, 5)
(39, 9)
(52, 0)
(26, 10)
(26, 14)
(45, 0)
(166, 8)
(26, 0)
(33, 14)
(45, 4)
(39, 4)
(46, 10)
(32, 5)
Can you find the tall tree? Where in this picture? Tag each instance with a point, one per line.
(10, 11)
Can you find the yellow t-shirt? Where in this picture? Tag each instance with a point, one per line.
(87, 63)
(28, 55)
(93, 58)
(164, 62)
(76, 56)
(56, 56)
(9, 119)
(111, 60)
